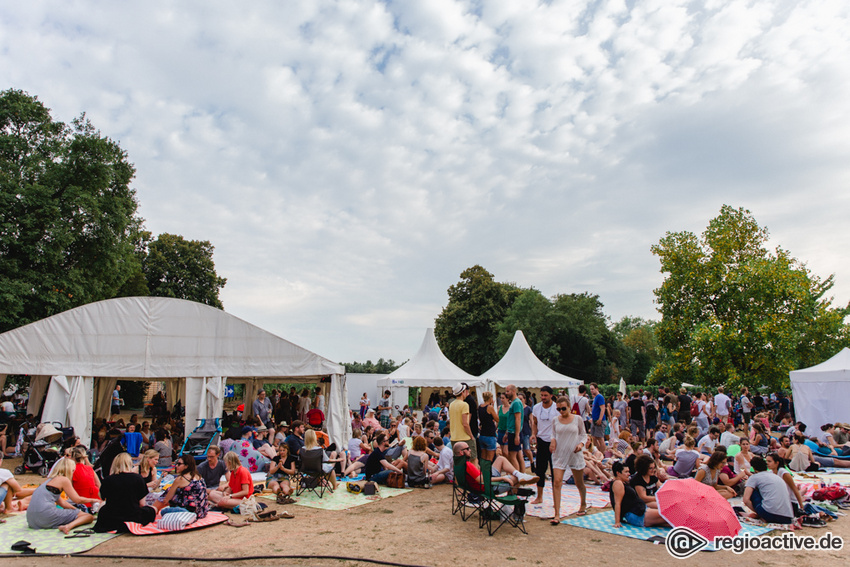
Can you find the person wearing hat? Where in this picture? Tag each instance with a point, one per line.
(281, 432)
(459, 416)
(841, 433)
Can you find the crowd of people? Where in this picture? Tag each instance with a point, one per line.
(628, 444)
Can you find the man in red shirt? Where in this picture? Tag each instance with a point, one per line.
(502, 471)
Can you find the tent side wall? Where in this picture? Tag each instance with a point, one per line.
(820, 397)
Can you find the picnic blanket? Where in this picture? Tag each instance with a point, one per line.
(46, 541)
(570, 501)
(342, 499)
(211, 519)
(604, 522)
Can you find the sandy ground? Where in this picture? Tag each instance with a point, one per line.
(414, 529)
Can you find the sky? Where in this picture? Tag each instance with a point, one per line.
(349, 159)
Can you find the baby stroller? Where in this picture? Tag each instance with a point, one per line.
(199, 441)
(45, 445)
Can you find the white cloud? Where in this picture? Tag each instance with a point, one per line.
(349, 159)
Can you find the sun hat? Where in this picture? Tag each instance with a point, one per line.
(459, 388)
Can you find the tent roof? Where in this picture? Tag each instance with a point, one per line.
(153, 338)
(521, 367)
(836, 369)
(429, 367)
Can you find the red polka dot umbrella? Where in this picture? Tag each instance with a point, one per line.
(691, 504)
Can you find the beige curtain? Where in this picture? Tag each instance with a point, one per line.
(38, 387)
(103, 388)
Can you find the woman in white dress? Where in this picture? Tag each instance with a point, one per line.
(568, 441)
(704, 413)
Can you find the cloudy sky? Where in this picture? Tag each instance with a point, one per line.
(349, 159)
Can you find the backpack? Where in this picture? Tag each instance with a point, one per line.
(830, 493)
(694, 408)
(576, 409)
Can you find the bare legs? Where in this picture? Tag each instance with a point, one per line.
(82, 519)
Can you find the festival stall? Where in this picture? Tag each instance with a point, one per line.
(429, 368)
(522, 368)
(192, 347)
(821, 392)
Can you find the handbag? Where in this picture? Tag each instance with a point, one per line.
(396, 480)
(249, 508)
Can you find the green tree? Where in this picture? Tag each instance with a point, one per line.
(369, 367)
(176, 267)
(468, 326)
(638, 337)
(735, 313)
(67, 213)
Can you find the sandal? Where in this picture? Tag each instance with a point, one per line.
(236, 523)
(285, 515)
(554, 522)
(581, 513)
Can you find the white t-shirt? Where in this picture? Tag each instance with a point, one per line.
(5, 474)
(545, 418)
(722, 402)
(582, 406)
(320, 403)
(668, 444)
(403, 431)
(707, 443)
(746, 404)
(8, 407)
(446, 461)
(728, 438)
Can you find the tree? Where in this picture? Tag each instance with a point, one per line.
(67, 213)
(638, 337)
(468, 326)
(369, 367)
(176, 267)
(735, 313)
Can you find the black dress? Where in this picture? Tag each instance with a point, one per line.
(123, 492)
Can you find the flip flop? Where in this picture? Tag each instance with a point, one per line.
(554, 522)
(581, 513)
(286, 515)
(236, 523)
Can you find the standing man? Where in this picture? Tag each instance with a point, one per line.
(514, 433)
(579, 405)
(385, 410)
(637, 416)
(459, 418)
(722, 406)
(684, 406)
(262, 408)
(746, 409)
(116, 400)
(597, 428)
(472, 401)
(542, 416)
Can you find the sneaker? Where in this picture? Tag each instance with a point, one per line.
(810, 522)
(526, 478)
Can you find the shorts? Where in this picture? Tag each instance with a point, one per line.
(3, 492)
(597, 430)
(500, 437)
(525, 441)
(651, 424)
(747, 418)
(633, 519)
(487, 443)
(512, 445)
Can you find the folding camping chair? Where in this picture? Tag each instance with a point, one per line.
(494, 508)
(311, 475)
(463, 499)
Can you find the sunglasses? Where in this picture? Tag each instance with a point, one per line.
(563, 409)
(179, 463)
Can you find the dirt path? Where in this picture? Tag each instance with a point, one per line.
(417, 529)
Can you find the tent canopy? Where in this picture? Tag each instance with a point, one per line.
(522, 368)
(154, 338)
(429, 367)
(821, 391)
(159, 338)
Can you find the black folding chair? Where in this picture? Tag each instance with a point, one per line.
(311, 475)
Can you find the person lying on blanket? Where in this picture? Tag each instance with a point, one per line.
(628, 506)
(239, 486)
(503, 474)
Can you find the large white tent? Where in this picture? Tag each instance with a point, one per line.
(429, 368)
(821, 392)
(192, 347)
(521, 367)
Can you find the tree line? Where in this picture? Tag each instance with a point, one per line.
(732, 312)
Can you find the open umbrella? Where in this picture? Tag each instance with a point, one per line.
(691, 504)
